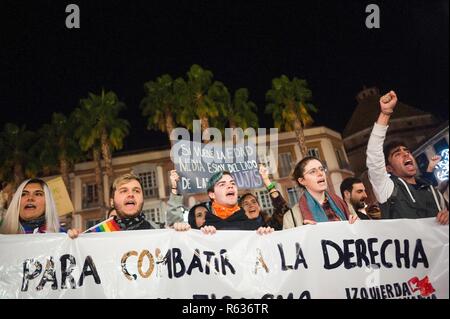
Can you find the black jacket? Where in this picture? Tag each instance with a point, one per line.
(237, 221)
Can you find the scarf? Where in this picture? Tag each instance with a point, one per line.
(224, 212)
(33, 226)
(130, 223)
(311, 209)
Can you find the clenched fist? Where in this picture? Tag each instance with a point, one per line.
(388, 102)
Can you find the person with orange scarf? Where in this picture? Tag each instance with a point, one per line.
(223, 211)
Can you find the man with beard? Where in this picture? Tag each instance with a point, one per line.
(354, 194)
(127, 199)
(401, 195)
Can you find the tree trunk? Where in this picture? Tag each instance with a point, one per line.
(64, 169)
(98, 176)
(169, 125)
(298, 128)
(233, 127)
(18, 174)
(106, 153)
(205, 129)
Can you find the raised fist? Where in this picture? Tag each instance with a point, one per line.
(174, 178)
(388, 102)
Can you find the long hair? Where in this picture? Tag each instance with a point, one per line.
(11, 224)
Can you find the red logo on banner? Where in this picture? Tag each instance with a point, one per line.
(424, 285)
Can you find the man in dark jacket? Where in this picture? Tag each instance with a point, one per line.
(222, 211)
(402, 195)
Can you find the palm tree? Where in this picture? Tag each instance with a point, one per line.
(106, 125)
(241, 112)
(15, 159)
(289, 104)
(162, 102)
(85, 118)
(195, 97)
(58, 146)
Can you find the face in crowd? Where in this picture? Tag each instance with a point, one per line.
(32, 202)
(401, 163)
(314, 177)
(128, 199)
(225, 191)
(200, 216)
(251, 206)
(358, 196)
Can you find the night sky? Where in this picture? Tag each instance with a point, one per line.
(46, 68)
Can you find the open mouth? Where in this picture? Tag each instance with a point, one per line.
(30, 206)
(321, 182)
(130, 204)
(408, 164)
(230, 194)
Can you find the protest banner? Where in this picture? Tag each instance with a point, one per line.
(195, 163)
(369, 259)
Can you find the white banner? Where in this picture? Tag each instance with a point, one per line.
(370, 259)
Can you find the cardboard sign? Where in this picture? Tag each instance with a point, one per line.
(64, 205)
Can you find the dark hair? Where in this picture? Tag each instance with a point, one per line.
(299, 169)
(191, 215)
(214, 179)
(347, 184)
(388, 147)
(241, 199)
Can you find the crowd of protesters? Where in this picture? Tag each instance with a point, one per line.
(392, 173)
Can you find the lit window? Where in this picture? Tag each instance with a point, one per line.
(265, 202)
(90, 196)
(293, 194)
(314, 152)
(153, 214)
(285, 164)
(149, 184)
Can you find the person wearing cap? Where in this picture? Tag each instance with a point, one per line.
(222, 211)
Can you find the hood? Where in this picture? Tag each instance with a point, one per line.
(191, 216)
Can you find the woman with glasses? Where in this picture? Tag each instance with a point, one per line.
(317, 204)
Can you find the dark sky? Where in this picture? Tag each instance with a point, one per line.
(45, 67)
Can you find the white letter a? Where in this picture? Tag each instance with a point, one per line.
(373, 19)
(73, 19)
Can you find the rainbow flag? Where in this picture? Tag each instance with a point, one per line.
(108, 225)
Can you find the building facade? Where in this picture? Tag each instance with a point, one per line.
(154, 166)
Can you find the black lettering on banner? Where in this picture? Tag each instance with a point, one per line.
(419, 255)
(66, 271)
(373, 253)
(27, 276)
(89, 269)
(327, 263)
(195, 263)
(383, 253)
(402, 255)
(226, 263)
(177, 260)
(49, 275)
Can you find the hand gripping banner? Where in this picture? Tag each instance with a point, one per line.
(369, 259)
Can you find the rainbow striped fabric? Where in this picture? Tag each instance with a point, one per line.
(108, 225)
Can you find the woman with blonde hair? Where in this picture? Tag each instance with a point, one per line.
(32, 210)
